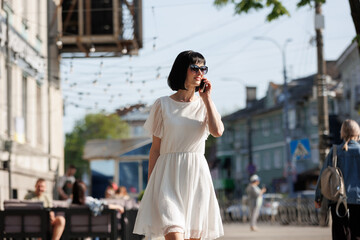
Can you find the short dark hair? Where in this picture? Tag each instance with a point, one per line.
(39, 180)
(177, 76)
(71, 166)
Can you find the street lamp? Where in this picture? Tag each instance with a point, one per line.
(286, 108)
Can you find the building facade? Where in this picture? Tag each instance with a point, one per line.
(254, 140)
(31, 108)
(349, 68)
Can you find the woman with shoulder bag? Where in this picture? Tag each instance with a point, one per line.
(348, 161)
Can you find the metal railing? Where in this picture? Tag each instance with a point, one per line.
(288, 211)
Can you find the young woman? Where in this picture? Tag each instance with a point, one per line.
(95, 205)
(348, 160)
(179, 201)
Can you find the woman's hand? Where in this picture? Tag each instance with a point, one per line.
(119, 208)
(207, 89)
(317, 204)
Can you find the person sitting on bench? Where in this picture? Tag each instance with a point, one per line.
(57, 222)
(95, 205)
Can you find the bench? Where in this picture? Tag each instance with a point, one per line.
(26, 219)
(22, 219)
(80, 222)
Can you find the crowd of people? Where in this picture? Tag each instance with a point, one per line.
(73, 191)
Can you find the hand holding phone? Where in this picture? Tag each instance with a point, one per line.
(202, 86)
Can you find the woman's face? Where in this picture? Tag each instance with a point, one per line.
(194, 76)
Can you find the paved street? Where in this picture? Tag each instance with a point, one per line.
(275, 232)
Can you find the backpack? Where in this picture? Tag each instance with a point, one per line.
(332, 184)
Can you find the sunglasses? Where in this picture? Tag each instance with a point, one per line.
(195, 68)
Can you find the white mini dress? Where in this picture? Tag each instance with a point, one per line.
(180, 196)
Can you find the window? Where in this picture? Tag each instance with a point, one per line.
(102, 171)
(267, 161)
(292, 118)
(277, 159)
(129, 176)
(138, 131)
(238, 139)
(38, 19)
(277, 124)
(238, 165)
(24, 13)
(24, 97)
(238, 135)
(257, 161)
(255, 125)
(39, 115)
(265, 126)
(228, 137)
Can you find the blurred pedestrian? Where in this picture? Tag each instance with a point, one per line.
(64, 183)
(255, 199)
(348, 161)
(57, 222)
(111, 190)
(95, 205)
(179, 201)
(121, 193)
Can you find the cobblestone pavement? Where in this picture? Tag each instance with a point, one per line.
(241, 231)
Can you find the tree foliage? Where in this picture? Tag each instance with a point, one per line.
(278, 9)
(93, 126)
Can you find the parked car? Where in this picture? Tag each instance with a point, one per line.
(239, 211)
(271, 202)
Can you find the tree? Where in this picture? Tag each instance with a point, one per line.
(278, 9)
(93, 126)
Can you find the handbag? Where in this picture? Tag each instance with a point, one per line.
(332, 184)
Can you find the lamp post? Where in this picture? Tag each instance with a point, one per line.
(286, 109)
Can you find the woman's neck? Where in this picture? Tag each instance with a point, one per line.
(184, 96)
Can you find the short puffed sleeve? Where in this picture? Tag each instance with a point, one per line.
(154, 123)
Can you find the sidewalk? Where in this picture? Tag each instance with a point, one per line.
(239, 231)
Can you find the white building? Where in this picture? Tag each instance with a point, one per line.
(31, 107)
(349, 69)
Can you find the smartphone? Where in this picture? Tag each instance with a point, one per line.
(202, 86)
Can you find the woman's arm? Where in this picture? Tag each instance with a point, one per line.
(154, 154)
(116, 207)
(216, 126)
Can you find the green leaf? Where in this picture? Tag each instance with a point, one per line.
(247, 5)
(303, 3)
(221, 3)
(278, 10)
(356, 39)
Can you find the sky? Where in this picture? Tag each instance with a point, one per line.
(235, 57)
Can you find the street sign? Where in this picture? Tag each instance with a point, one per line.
(300, 149)
(251, 168)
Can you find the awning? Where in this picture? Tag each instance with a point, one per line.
(99, 149)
